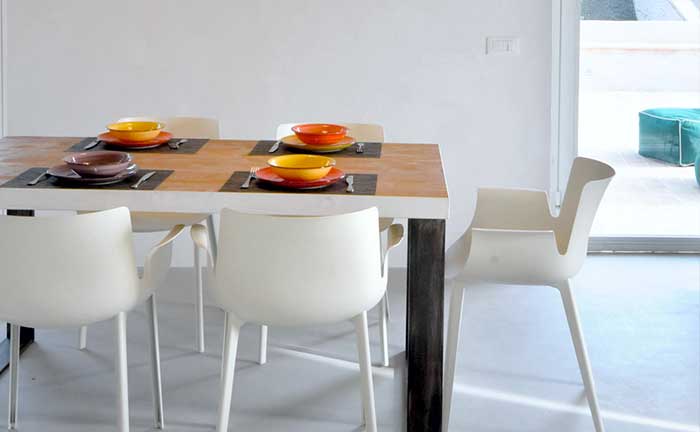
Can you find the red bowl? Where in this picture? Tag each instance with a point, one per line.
(320, 133)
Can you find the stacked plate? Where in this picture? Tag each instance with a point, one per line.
(319, 138)
(300, 172)
(136, 135)
(95, 168)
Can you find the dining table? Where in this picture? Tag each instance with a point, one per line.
(405, 181)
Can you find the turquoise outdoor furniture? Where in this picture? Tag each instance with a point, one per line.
(697, 168)
(670, 134)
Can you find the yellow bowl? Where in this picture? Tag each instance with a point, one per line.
(301, 166)
(135, 131)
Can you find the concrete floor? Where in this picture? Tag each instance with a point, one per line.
(517, 368)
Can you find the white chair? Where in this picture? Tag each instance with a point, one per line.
(361, 132)
(78, 270)
(150, 222)
(266, 276)
(514, 239)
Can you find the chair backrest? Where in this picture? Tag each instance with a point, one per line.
(67, 271)
(360, 131)
(291, 271)
(588, 181)
(185, 127)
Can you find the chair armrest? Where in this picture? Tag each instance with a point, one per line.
(157, 262)
(513, 209)
(385, 223)
(394, 237)
(513, 256)
(200, 237)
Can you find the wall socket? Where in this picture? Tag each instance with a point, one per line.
(502, 46)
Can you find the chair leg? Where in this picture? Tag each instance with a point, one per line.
(156, 378)
(211, 230)
(365, 372)
(383, 332)
(228, 365)
(385, 300)
(14, 375)
(122, 373)
(581, 353)
(223, 347)
(82, 338)
(262, 352)
(199, 302)
(453, 328)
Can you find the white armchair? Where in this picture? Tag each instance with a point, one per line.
(150, 222)
(78, 270)
(514, 239)
(337, 273)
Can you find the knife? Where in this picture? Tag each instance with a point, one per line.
(274, 147)
(91, 145)
(143, 179)
(176, 145)
(39, 178)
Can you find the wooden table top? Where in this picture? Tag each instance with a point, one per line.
(410, 174)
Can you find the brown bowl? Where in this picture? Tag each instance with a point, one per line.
(98, 163)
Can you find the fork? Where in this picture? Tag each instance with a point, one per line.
(350, 180)
(251, 176)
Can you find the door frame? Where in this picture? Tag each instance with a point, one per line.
(564, 94)
(566, 25)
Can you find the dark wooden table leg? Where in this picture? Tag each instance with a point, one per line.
(26, 334)
(424, 324)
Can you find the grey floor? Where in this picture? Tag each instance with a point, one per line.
(517, 369)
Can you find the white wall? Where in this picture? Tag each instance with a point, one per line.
(417, 67)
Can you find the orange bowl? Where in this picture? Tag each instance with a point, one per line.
(320, 133)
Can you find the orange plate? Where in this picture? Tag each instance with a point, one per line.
(110, 139)
(268, 175)
(320, 133)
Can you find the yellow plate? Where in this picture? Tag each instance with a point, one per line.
(301, 166)
(293, 141)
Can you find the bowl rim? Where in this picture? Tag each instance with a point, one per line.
(343, 129)
(158, 126)
(328, 162)
(125, 158)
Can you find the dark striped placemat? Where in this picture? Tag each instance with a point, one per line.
(53, 183)
(372, 150)
(192, 146)
(364, 184)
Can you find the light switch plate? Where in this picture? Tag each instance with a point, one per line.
(502, 46)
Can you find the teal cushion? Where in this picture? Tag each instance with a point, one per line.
(670, 134)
